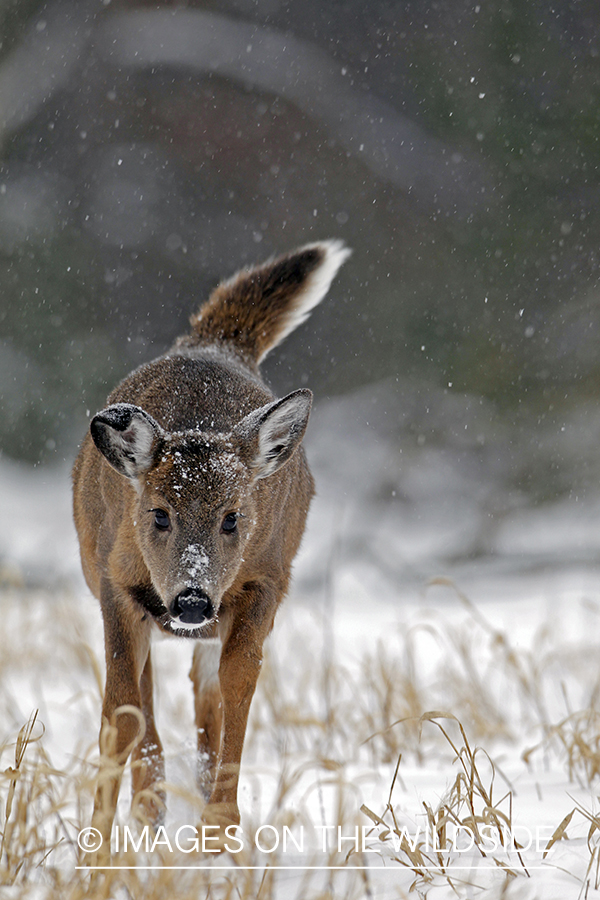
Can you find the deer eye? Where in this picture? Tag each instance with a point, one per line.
(161, 519)
(229, 523)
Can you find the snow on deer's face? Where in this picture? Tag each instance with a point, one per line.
(195, 498)
(196, 512)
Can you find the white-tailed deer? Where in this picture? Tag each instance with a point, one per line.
(190, 499)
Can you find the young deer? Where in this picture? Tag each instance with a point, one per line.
(190, 499)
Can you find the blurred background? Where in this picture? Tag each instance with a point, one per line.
(148, 150)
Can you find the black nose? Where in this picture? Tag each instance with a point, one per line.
(192, 607)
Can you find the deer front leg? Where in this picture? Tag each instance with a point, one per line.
(148, 758)
(127, 643)
(239, 668)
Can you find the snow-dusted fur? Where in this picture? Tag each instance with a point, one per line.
(190, 497)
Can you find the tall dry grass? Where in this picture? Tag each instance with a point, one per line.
(323, 736)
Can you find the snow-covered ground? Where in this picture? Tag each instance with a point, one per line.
(427, 583)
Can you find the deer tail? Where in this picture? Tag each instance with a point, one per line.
(257, 308)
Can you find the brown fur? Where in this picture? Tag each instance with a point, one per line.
(196, 440)
(237, 312)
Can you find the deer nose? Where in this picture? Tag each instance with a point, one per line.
(192, 607)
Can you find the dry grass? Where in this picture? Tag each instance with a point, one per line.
(323, 736)
(469, 806)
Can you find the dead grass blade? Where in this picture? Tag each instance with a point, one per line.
(24, 738)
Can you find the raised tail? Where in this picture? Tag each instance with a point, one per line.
(257, 308)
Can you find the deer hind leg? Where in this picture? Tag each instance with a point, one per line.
(148, 758)
(208, 707)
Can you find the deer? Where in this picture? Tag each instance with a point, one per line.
(190, 496)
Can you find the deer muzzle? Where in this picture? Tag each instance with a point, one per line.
(192, 607)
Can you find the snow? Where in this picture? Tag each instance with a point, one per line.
(194, 563)
(506, 639)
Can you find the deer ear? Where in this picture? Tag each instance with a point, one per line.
(271, 435)
(128, 437)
